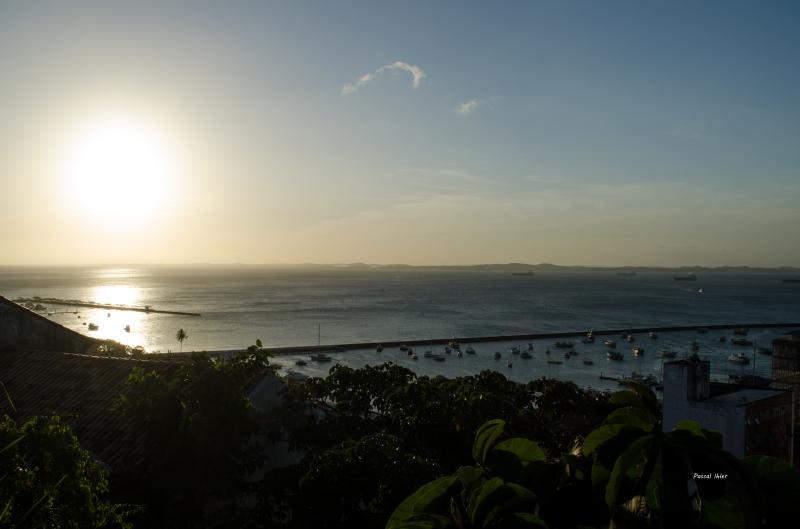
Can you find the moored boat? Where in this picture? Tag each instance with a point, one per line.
(738, 358)
(321, 357)
(470, 350)
(638, 351)
(497, 355)
(741, 341)
(526, 355)
(564, 345)
(610, 343)
(615, 356)
(667, 354)
(588, 362)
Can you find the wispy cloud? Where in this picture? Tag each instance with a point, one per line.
(398, 66)
(468, 107)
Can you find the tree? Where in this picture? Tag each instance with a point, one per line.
(48, 480)
(181, 336)
(627, 473)
(416, 426)
(200, 431)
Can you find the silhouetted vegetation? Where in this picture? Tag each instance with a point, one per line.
(47, 480)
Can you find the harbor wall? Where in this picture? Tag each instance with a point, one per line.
(21, 328)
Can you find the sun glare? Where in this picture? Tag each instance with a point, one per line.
(118, 169)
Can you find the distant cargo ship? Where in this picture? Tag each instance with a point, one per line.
(626, 273)
(528, 273)
(687, 277)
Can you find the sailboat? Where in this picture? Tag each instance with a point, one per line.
(320, 356)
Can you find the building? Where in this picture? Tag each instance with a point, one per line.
(752, 421)
(786, 376)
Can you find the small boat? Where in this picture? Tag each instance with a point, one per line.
(459, 354)
(610, 343)
(108, 315)
(510, 363)
(447, 350)
(404, 347)
(638, 351)
(409, 352)
(379, 349)
(515, 350)
(555, 362)
(127, 328)
(587, 339)
(741, 341)
(629, 338)
(667, 354)
(454, 344)
(740, 331)
(652, 335)
(530, 347)
(301, 362)
(722, 339)
(564, 345)
(321, 357)
(615, 356)
(439, 358)
(738, 358)
(588, 362)
(764, 351)
(414, 356)
(526, 355)
(688, 277)
(93, 326)
(497, 355)
(470, 350)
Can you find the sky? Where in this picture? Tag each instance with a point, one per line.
(576, 133)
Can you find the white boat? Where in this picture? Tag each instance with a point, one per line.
(652, 335)
(738, 358)
(515, 350)
(638, 351)
(610, 343)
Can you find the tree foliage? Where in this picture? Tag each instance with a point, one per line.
(47, 480)
(200, 431)
(375, 434)
(627, 473)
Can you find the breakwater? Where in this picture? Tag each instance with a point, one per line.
(105, 306)
(339, 348)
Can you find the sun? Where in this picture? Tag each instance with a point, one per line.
(118, 168)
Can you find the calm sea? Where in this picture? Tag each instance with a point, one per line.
(288, 307)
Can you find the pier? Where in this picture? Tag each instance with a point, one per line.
(105, 306)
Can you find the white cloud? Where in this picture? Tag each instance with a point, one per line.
(468, 107)
(416, 72)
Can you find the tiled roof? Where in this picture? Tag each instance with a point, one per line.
(82, 390)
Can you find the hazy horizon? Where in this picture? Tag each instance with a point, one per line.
(434, 134)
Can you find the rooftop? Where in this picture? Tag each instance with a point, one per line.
(81, 389)
(743, 397)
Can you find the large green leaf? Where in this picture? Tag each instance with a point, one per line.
(629, 467)
(427, 497)
(481, 503)
(602, 435)
(526, 450)
(426, 521)
(633, 416)
(486, 437)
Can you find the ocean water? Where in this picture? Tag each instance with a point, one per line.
(288, 307)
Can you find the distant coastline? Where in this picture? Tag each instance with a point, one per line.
(490, 267)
